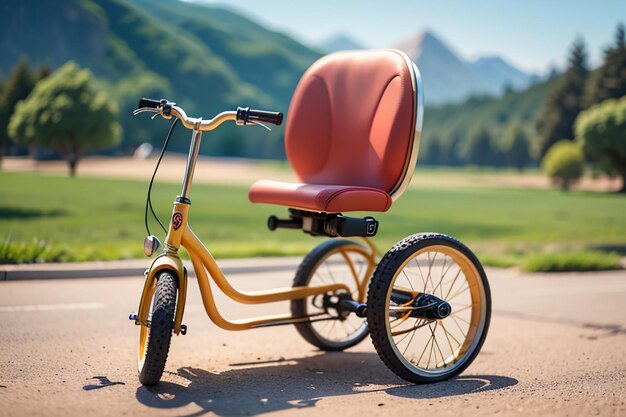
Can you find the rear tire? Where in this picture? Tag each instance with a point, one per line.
(328, 264)
(154, 341)
(425, 350)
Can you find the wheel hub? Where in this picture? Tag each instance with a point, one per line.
(430, 307)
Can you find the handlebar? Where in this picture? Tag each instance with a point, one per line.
(246, 115)
(148, 103)
(243, 115)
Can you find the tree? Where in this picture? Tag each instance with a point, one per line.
(601, 131)
(18, 87)
(64, 112)
(609, 80)
(433, 150)
(515, 146)
(127, 93)
(563, 103)
(564, 163)
(479, 149)
(42, 72)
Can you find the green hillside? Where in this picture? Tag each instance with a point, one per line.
(209, 59)
(205, 58)
(271, 61)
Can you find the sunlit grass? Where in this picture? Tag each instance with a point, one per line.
(571, 261)
(92, 219)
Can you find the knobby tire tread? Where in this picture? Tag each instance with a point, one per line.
(377, 303)
(162, 323)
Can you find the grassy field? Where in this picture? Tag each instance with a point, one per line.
(91, 219)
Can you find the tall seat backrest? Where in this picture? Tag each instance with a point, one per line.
(355, 119)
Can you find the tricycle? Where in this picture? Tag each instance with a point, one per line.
(352, 138)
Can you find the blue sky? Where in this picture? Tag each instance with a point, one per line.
(534, 35)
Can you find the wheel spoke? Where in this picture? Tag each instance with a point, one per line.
(458, 310)
(321, 277)
(448, 336)
(460, 318)
(457, 325)
(424, 351)
(430, 269)
(452, 285)
(408, 280)
(420, 269)
(443, 274)
(410, 329)
(432, 346)
(459, 292)
(410, 340)
(333, 280)
(398, 321)
(443, 358)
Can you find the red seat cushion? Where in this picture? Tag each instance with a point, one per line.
(350, 134)
(320, 198)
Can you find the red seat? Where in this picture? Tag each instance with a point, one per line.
(352, 134)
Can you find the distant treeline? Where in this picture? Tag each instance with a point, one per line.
(517, 129)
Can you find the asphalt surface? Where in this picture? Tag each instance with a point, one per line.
(557, 346)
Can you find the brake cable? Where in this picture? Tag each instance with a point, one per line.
(156, 168)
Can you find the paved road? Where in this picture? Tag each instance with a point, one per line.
(557, 346)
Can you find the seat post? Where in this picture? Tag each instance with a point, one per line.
(194, 148)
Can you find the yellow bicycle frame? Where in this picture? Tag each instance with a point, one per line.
(180, 234)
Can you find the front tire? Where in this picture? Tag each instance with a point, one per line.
(154, 341)
(419, 349)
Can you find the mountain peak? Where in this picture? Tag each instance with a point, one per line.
(501, 72)
(426, 42)
(448, 77)
(340, 42)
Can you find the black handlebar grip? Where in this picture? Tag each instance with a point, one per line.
(265, 116)
(149, 103)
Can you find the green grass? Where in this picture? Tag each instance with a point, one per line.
(571, 261)
(91, 219)
(29, 252)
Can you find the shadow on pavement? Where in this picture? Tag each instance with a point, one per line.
(263, 387)
(604, 330)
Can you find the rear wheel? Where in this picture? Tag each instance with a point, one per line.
(154, 338)
(333, 262)
(418, 344)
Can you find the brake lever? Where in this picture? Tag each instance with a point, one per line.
(146, 109)
(260, 124)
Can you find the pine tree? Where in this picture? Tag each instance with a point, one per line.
(515, 146)
(479, 148)
(609, 80)
(563, 103)
(42, 72)
(17, 87)
(433, 154)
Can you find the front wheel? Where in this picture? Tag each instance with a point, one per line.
(429, 307)
(155, 336)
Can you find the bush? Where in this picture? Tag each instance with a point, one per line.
(564, 163)
(571, 261)
(26, 253)
(600, 132)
